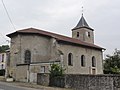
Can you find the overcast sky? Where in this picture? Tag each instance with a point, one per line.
(60, 16)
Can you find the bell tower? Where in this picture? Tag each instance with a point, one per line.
(83, 32)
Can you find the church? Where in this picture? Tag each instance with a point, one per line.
(33, 51)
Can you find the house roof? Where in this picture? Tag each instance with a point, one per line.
(57, 36)
(82, 24)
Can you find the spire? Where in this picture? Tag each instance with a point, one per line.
(82, 24)
(82, 11)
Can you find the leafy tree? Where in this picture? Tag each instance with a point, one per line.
(56, 70)
(3, 48)
(112, 63)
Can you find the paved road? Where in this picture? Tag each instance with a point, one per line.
(7, 86)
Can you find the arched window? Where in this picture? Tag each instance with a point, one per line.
(27, 57)
(70, 59)
(93, 62)
(83, 61)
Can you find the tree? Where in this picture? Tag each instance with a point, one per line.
(3, 48)
(112, 63)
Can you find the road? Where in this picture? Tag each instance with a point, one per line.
(7, 86)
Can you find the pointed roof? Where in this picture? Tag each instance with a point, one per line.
(82, 24)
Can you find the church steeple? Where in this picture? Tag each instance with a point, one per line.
(82, 24)
(83, 32)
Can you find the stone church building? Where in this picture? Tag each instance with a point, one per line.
(33, 51)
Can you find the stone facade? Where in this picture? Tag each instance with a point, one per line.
(84, 35)
(45, 48)
(77, 52)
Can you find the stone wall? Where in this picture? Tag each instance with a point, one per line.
(85, 82)
(93, 82)
(43, 79)
(57, 81)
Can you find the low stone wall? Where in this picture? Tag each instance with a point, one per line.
(43, 79)
(57, 81)
(83, 82)
(93, 82)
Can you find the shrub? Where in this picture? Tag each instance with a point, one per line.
(56, 70)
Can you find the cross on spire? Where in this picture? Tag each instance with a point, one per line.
(82, 10)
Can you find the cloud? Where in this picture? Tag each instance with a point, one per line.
(61, 16)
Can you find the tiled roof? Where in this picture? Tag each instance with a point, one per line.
(57, 36)
(82, 24)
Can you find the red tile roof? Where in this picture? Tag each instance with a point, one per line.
(57, 36)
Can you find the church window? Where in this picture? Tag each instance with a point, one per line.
(70, 59)
(88, 34)
(93, 62)
(77, 34)
(27, 57)
(83, 61)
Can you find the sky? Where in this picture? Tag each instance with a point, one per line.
(60, 16)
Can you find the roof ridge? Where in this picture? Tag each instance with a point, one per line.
(59, 37)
